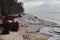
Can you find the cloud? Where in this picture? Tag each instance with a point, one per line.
(54, 4)
(42, 6)
(32, 4)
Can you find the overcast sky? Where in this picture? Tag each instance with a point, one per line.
(41, 6)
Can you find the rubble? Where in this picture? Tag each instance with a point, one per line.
(28, 31)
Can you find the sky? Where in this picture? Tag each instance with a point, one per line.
(41, 6)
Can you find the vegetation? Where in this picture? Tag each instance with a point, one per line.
(10, 7)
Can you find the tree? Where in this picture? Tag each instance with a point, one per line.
(10, 7)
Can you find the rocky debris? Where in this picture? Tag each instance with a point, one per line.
(29, 29)
(30, 34)
(24, 33)
(35, 36)
(33, 20)
(54, 38)
(47, 23)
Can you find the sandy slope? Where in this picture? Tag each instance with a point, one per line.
(24, 33)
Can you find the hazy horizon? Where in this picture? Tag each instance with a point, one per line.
(41, 6)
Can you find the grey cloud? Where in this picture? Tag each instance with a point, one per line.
(45, 8)
(39, 0)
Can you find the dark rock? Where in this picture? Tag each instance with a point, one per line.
(15, 27)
